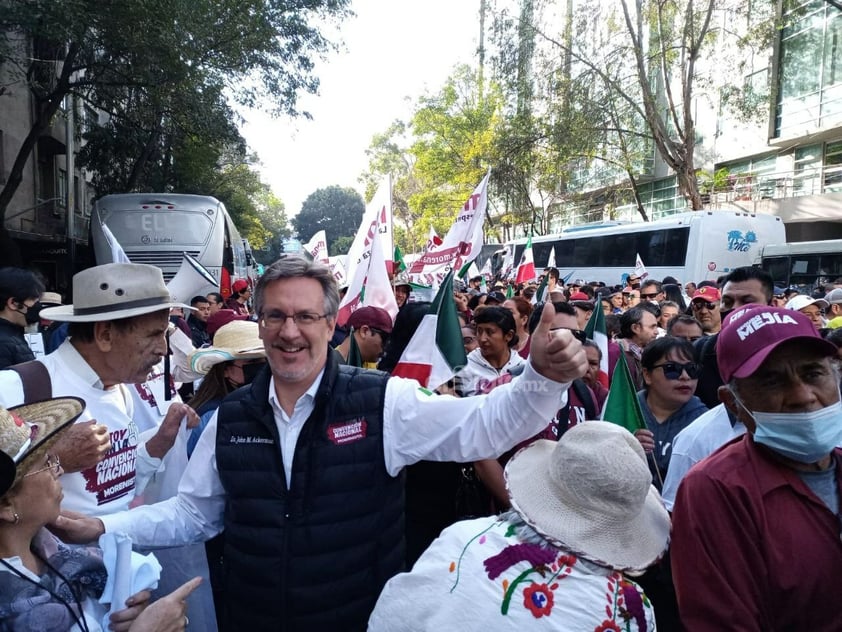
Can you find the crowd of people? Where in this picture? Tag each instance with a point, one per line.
(312, 492)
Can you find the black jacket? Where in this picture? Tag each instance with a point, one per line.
(198, 332)
(314, 555)
(13, 346)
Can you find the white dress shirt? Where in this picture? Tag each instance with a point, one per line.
(417, 425)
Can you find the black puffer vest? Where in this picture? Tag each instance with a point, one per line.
(314, 556)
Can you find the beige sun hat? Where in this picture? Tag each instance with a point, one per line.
(591, 493)
(237, 340)
(28, 432)
(113, 291)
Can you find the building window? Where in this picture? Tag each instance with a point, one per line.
(810, 68)
(833, 167)
(62, 188)
(806, 179)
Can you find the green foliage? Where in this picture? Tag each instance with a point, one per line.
(336, 210)
(163, 70)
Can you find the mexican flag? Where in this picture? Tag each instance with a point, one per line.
(595, 330)
(400, 266)
(354, 356)
(434, 364)
(526, 267)
(540, 295)
(622, 407)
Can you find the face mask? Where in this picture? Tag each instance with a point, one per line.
(803, 437)
(250, 371)
(32, 314)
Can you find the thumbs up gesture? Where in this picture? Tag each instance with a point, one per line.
(554, 352)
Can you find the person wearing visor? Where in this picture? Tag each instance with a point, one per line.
(20, 293)
(756, 525)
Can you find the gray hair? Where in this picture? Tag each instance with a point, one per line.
(292, 267)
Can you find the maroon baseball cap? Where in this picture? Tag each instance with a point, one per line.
(579, 296)
(222, 317)
(750, 333)
(372, 317)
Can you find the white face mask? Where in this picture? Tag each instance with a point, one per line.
(805, 437)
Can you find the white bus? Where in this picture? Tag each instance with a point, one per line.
(805, 265)
(691, 246)
(157, 228)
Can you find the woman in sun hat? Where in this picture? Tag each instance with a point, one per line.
(234, 359)
(584, 512)
(46, 585)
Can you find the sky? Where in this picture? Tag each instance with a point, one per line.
(393, 51)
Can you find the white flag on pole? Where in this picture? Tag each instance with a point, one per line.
(462, 242)
(639, 268)
(551, 260)
(369, 286)
(376, 218)
(317, 247)
(118, 255)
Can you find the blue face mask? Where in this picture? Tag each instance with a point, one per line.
(804, 437)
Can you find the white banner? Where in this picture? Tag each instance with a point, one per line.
(462, 242)
(377, 218)
(369, 286)
(317, 247)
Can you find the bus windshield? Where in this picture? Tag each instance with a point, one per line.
(149, 228)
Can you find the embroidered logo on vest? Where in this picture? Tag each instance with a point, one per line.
(347, 432)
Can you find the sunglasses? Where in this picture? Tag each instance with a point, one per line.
(466, 340)
(697, 305)
(578, 334)
(649, 295)
(673, 370)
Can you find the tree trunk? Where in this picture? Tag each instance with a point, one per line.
(140, 163)
(688, 185)
(44, 111)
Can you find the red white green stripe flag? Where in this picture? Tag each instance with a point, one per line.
(596, 331)
(435, 352)
(622, 406)
(526, 267)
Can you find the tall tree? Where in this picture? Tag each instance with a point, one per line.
(336, 210)
(115, 55)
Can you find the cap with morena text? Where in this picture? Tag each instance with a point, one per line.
(751, 333)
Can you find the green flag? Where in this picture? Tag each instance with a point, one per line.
(622, 407)
(540, 295)
(510, 291)
(354, 356)
(400, 265)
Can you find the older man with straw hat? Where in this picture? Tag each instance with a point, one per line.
(583, 513)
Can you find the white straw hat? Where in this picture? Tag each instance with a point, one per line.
(591, 493)
(237, 340)
(113, 291)
(28, 432)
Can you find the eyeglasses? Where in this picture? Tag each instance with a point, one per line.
(673, 370)
(53, 464)
(578, 334)
(276, 320)
(649, 295)
(697, 305)
(383, 335)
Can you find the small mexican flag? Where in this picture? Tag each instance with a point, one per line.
(526, 267)
(596, 331)
(434, 364)
(400, 266)
(621, 406)
(354, 356)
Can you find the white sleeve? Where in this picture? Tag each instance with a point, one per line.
(11, 389)
(146, 466)
(193, 515)
(420, 425)
(680, 464)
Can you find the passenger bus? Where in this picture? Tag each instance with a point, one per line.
(805, 265)
(158, 228)
(692, 246)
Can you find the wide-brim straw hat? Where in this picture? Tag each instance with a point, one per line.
(113, 291)
(591, 494)
(238, 340)
(28, 432)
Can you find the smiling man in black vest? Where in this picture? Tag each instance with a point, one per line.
(303, 467)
